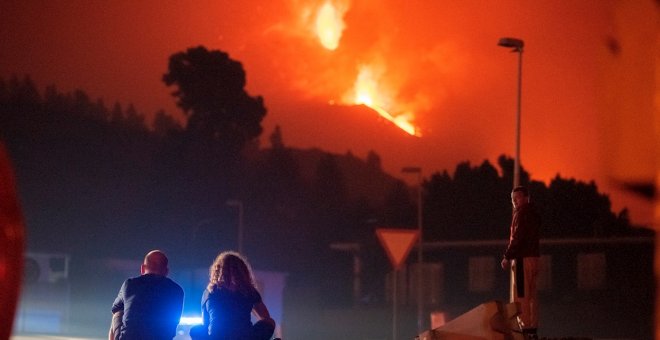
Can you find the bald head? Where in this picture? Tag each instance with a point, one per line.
(155, 262)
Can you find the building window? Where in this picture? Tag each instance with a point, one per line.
(407, 284)
(481, 276)
(591, 270)
(432, 282)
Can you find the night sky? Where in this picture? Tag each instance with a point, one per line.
(588, 74)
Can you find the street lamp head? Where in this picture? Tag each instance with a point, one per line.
(516, 44)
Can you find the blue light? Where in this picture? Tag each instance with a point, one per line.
(190, 320)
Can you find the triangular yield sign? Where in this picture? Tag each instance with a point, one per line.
(397, 243)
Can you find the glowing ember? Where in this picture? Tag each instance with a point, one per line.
(330, 25)
(366, 92)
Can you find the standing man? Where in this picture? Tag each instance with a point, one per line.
(148, 307)
(522, 256)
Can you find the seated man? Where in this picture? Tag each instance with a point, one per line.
(148, 307)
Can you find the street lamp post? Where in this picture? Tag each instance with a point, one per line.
(517, 46)
(420, 260)
(238, 204)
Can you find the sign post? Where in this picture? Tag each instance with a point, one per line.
(397, 244)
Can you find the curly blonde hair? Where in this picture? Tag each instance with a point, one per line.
(231, 270)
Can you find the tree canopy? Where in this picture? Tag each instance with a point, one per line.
(474, 203)
(211, 92)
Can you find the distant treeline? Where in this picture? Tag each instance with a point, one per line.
(96, 182)
(100, 182)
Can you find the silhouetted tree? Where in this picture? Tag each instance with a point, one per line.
(400, 210)
(73, 165)
(475, 204)
(211, 92)
(439, 216)
(117, 114)
(277, 178)
(506, 166)
(576, 209)
(276, 139)
(4, 92)
(132, 119)
(164, 124)
(23, 92)
(373, 160)
(329, 186)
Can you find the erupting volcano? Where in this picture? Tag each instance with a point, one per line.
(368, 88)
(328, 70)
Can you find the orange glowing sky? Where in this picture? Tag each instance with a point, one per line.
(434, 64)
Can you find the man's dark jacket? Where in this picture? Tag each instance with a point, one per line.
(525, 231)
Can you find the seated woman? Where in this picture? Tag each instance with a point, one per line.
(230, 297)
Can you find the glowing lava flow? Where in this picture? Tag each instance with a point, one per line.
(366, 93)
(400, 121)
